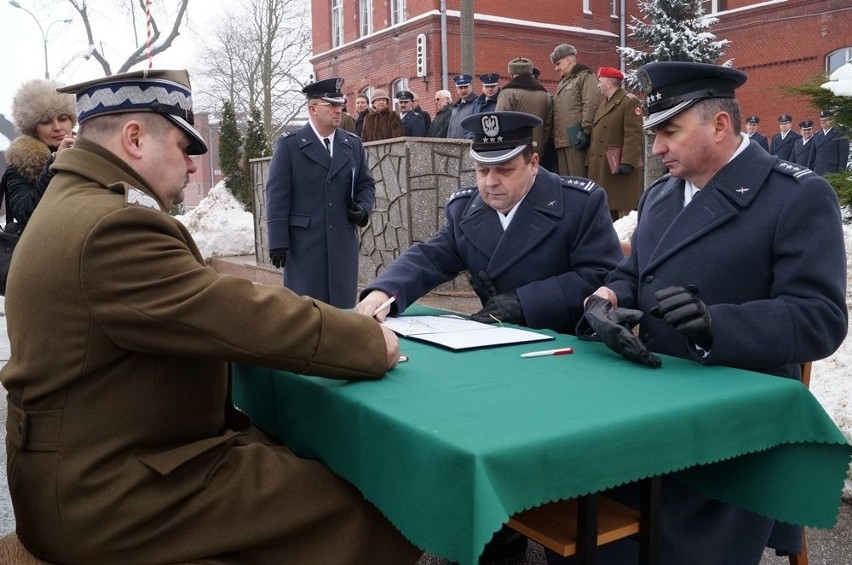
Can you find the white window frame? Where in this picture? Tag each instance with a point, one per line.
(397, 8)
(366, 11)
(837, 59)
(587, 6)
(711, 6)
(336, 23)
(613, 8)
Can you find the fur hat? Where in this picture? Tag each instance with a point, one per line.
(37, 100)
(520, 66)
(562, 51)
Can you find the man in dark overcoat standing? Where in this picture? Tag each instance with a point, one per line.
(319, 192)
(803, 148)
(784, 141)
(831, 149)
(124, 444)
(725, 273)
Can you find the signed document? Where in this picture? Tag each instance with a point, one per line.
(456, 332)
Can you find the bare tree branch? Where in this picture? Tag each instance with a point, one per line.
(258, 58)
(140, 54)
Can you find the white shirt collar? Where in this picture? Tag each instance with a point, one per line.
(330, 136)
(690, 189)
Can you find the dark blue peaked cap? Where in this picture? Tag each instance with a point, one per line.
(499, 136)
(673, 86)
(166, 92)
(328, 90)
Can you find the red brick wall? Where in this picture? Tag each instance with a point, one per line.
(782, 43)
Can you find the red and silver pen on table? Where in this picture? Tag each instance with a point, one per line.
(562, 351)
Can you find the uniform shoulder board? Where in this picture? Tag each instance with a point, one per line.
(464, 193)
(791, 170)
(579, 183)
(135, 197)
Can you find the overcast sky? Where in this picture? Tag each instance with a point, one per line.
(22, 55)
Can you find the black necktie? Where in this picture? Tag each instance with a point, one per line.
(327, 144)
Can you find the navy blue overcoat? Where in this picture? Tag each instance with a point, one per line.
(557, 250)
(308, 194)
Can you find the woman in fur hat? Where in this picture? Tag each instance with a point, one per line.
(45, 119)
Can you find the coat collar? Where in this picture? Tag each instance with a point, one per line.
(310, 145)
(534, 220)
(611, 104)
(732, 189)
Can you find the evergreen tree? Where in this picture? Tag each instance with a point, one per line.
(230, 150)
(675, 30)
(255, 144)
(824, 98)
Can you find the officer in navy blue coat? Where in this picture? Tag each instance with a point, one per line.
(319, 192)
(752, 123)
(413, 123)
(785, 139)
(487, 101)
(534, 243)
(738, 260)
(803, 148)
(831, 149)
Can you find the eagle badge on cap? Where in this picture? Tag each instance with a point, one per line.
(645, 81)
(490, 126)
(338, 84)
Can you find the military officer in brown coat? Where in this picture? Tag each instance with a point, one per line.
(574, 106)
(525, 94)
(618, 142)
(123, 444)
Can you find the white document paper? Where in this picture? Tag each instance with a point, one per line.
(456, 332)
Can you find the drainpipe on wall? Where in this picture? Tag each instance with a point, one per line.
(444, 44)
(623, 31)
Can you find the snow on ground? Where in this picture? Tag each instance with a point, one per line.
(220, 225)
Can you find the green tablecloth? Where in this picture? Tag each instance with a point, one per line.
(450, 444)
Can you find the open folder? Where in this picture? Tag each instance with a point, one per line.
(456, 332)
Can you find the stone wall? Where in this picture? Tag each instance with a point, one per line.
(414, 179)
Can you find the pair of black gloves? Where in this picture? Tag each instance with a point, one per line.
(676, 305)
(497, 308)
(357, 215)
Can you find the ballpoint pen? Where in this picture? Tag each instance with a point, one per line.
(563, 351)
(383, 305)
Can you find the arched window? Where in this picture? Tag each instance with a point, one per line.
(837, 59)
(398, 86)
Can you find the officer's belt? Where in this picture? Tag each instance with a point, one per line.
(33, 431)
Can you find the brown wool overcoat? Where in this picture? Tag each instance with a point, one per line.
(122, 444)
(618, 123)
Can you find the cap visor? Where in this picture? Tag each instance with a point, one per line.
(197, 145)
(334, 100)
(496, 157)
(656, 119)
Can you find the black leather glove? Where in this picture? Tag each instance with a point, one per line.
(358, 216)
(689, 315)
(278, 257)
(625, 169)
(584, 139)
(482, 285)
(504, 307)
(612, 326)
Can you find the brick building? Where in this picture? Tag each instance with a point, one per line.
(374, 43)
